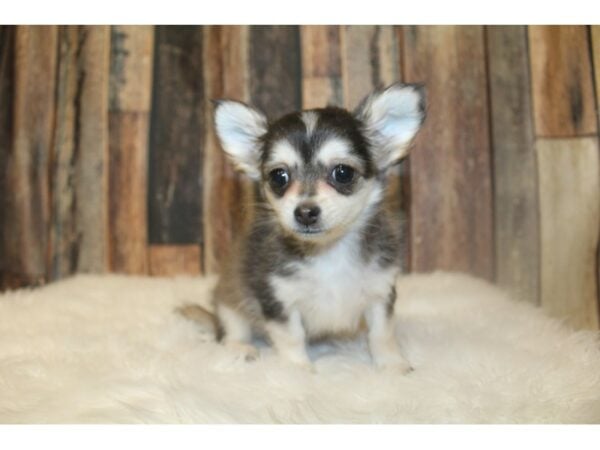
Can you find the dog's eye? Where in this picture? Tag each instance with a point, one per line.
(343, 174)
(279, 178)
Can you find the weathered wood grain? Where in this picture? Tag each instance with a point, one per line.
(451, 204)
(369, 59)
(79, 176)
(130, 97)
(172, 260)
(595, 37)
(227, 195)
(569, 192)
(561, 76)
(515, 184)
(176, 137)
(7, 55)
(275, 69)
(321, 66)
(27, 163)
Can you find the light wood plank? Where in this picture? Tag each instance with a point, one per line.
(569, 191)
(515, 189)
(228, 197)
(450, 165)
(321, 66)
(561, 75)
(27, 166)
(79, 176)
(173, 260)
(130, 97)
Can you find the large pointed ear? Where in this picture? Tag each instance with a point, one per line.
(392, 117)
(239, 128)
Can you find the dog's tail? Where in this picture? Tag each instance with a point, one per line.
(202, 316)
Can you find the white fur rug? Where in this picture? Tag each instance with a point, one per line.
(110, 349)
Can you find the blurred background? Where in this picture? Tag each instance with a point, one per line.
(109, 162)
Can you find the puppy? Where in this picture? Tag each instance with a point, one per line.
(322, 253)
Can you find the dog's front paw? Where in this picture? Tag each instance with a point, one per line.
(244, 351)
(393, 362)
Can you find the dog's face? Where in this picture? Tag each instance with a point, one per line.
(323, 170)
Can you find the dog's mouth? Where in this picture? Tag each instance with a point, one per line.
(309, 230)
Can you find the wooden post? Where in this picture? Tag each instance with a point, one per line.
(515, 181)
(176, 144)
(275, 73)
(450, 164)
(563, 94)
(321, 66)
(27, 204)
(227, 196)
(79, 174)
(569, 183)
(130, 96)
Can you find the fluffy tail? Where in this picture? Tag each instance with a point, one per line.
(203, 317)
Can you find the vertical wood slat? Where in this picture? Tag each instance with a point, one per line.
(79, 176)
(275, 65)
(177, 127)
(515, 188)
(595, 37)
(321, 66)
(370, 60)
(130, 97)
(451, 205)
(569, 183)
(227, 195)
(7, 55)
(27, 205)
(561, 75)
(173, 260)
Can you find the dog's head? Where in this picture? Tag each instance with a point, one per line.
(323, 170)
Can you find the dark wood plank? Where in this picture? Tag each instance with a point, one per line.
(227, 196)
(321, 66)
(515, 189)
(173, 260)
(561, 75)
(275, 69)
(569, 183)
(79, 176)
(27, 163)
(595, 37)
(7, 79)
(177, 127)
(130, 97)
(451, 193)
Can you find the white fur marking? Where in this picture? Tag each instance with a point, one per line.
(284, 153)
(310, 119)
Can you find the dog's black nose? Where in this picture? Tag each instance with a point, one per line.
(307, 214)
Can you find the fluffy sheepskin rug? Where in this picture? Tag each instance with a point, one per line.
(111, 349)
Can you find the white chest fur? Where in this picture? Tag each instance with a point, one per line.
(332, 290)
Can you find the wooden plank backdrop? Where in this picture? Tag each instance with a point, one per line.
(109, 160)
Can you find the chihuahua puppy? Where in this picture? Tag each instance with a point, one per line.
(322, 253)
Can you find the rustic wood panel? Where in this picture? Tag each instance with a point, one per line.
(172, 260)
(561, 75)
(176, 138)
(7, 54)
(275, 69)
(130, 96)
(595, 36)
(321, 66)
(451, 205)
(515, 183)
(27, 163)
(370, 59)
(79, 176)
(569, 187)
(227, 196)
